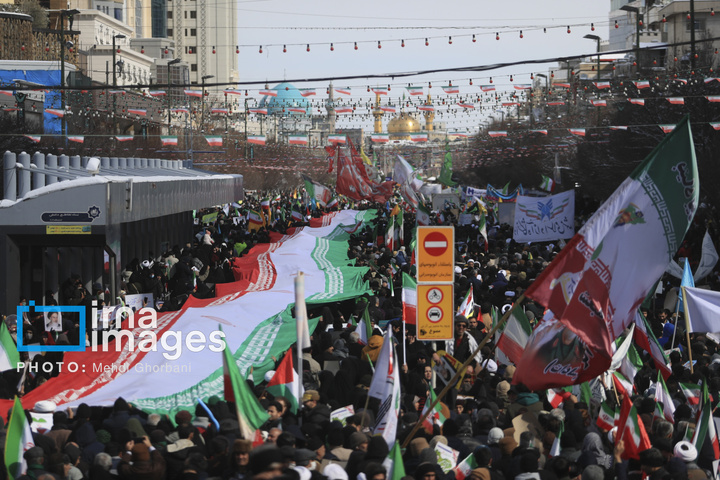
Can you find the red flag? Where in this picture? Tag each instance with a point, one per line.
(330, 149)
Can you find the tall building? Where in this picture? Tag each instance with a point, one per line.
(199, 28)
(158, 18)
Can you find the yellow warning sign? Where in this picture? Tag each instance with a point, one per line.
(435, 312)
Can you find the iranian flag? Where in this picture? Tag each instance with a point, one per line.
(667, 128)
(268, 93)
(333, 139)
(622, 384)
(317, 191)
(422, 216)
(256, 139)
(510, 104)
(432, 417)
(497, 133)
(233, 92)
(561, 85)
(466, 105)
(556, 104)
(224, 111)
(596, 283)
(18, 440)
(259, 111)
(467, 307)
(618, 127)
(180, 110)
(298, 140)
(255, 217)
(459, 134)
(380, 90)
(34, 138)
(715, 125)
(601, 85)
(409, 299)
(676, 100)
(662, 395)
(487, 88)
(547, 184)
(516, 335)
(606, 417)
(632, 431)
(262, 291)
(637, 101)
(250, 414)
(705, 429)
(214, 140)
(465, 468)
(713, 98)
(450, 89)
(556, 396)
(157, 93)
(426, 108)
(297, 214)
(482, 228)
(307, 92)
(168, 140)
(9, 356)
(137, 111)
(388, 109)
(123, 138)
(640, 84)
(343, 109)
(385, 386)
(286, 382)
(76, 138)
(692, 394)
(645, 339)
(599, 103)
(55, 111)
(415, 90)
(342, 91)
(522, 86)
(419, 137)
(380, 138)
(193, 93)
(577, 131)
(390, 241)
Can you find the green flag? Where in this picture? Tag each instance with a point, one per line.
(251, 415)
(18, 439)
(446, 172)
(393, 463)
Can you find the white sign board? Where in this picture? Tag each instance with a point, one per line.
(542, 219)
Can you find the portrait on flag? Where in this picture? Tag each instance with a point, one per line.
(555, 357)
(541, 219)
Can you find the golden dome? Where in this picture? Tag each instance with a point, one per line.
(403, 124)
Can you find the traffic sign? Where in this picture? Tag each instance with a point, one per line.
(435, 312)
(436, 254)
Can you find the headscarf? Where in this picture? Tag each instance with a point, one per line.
(592, 444)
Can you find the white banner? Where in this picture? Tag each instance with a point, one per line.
(540, 219)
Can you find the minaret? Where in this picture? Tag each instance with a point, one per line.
(330, 107)
(429, 116)
(378, 114)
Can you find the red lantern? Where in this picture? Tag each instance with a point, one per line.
(426, 42)
(237, 49)
(521, 34)
(284, 49)
(616, 24)
(213, 50)
(260, 49)
(592, 27)
(568, 29)
(307, 49)
(402, 43)
(450, 40)
(142, 49)
(356, 46)
(379, 45)
(332, 48)
(664, 20)
(474, 40)
(167, 51)
(491, 80)
(497, 35)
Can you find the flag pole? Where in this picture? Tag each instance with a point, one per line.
(687, 326)
(460, 371)
(302, 331)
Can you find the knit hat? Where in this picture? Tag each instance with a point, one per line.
(685, 451)
(509, 372)
(502, 388)
(140, 453)
(242, 446)
(311, 395)
(593, 472)
(357, 439)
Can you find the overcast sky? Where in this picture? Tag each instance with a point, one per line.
(274, 23)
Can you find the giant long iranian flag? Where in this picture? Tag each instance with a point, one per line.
(604, 272)
(256, 318)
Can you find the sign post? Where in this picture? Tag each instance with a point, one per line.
(435, 275)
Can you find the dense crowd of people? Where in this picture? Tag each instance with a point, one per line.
(507, 430)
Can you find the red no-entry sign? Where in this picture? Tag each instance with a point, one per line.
(436, 254)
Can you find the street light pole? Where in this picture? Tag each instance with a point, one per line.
(63, 14)
(202, 102)
(169, 92)
(636, 11)
(114, 48)
(597, 39)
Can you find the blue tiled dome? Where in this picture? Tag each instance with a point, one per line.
(288, 96)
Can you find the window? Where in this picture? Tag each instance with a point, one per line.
(193, 67)
(170, 13)
(185, 13)
(193, 14)
(193, 32)
(170, 32)
(699, 25)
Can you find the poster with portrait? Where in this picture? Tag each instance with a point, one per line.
(53, 321)
(556, 357)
